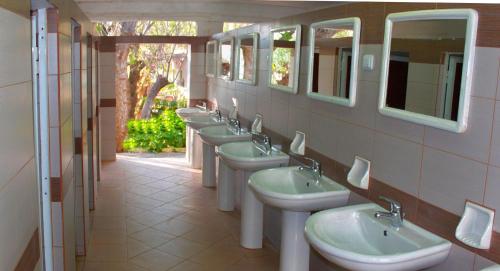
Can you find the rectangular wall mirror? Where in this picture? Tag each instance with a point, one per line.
(284, 58)
(333, 61)
(427, 63)
(225, 63)
(246, 48)
(210, 58)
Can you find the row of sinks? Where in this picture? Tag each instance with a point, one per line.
(349, 236)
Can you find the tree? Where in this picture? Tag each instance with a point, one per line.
(122, 85)
(137, 66)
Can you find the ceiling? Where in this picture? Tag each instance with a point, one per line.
(200, 10)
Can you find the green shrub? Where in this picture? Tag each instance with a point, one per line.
(165, 130)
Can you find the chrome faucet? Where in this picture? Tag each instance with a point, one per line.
(218, 115)
(264, 140)
(203, 106)
(235, 124)
(315, 168)
(395, 215)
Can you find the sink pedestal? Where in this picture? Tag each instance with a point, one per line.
(294, 247)
(226, 187)
(252, 218)
(208, 173)
(193, 148)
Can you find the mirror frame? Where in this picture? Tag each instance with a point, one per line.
(293, 89)
(219, 58)
(214, 42)
(255, 37)
(356, 24)
(460, 125)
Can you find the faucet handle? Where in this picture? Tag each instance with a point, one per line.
(395, 205)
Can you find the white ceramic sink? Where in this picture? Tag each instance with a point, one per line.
(214, 136)
(247, 156)
(218, 135)
(492, 268)
(198, 122)
(353, 238)
(187, 112)
(296, 192)
(293, 189)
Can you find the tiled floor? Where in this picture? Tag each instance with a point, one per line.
(152, 213)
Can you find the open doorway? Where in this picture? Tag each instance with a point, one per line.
(151, 80)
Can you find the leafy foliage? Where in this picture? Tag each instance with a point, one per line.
(157, 133)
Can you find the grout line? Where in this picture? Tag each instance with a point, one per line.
(18, 172)
(491, 139)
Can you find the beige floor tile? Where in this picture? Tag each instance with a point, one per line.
(108, 237)
(133, 226)
(135, 247)
(182, 248)
(97, 266)
(175, 227)
(188, 266)
(107, 253)
(152, 237)
(166, 196)
(156, 260)
(153, 214)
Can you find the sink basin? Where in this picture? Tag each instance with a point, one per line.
(218, 135)
(353, 238)
(247, 156)
(297, 193)
(492, 268)
(293, 189)
(198, 122)
(214, 136)
(187, 112)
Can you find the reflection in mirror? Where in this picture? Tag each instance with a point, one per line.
(427, 61)
(225, 69)
(210, 58)
(285, 57)
(247, 47)
(333, 60)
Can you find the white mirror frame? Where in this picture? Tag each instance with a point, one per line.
(219, 58)
(296, 63)
(214, 43)
(460, 125)
(255, 37)
(355, 22)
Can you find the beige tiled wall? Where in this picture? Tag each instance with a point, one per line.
(106, 69)
(18, 186)
(440, 167)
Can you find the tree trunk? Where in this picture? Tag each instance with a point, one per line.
(248, 58)
(122, 86)
(152, 93)
(134, 79)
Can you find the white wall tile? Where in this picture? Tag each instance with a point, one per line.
(495, 139)
(353, 140)
(17, 131)
(15, 42)
(486, 68)
(491, 198)
(448, 180)
(474, 143)
(397, 162)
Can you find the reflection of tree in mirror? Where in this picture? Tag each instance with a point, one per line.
(334, 33)
(282, 58)
(285, 35)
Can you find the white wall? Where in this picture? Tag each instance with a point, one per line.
(18, 186)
